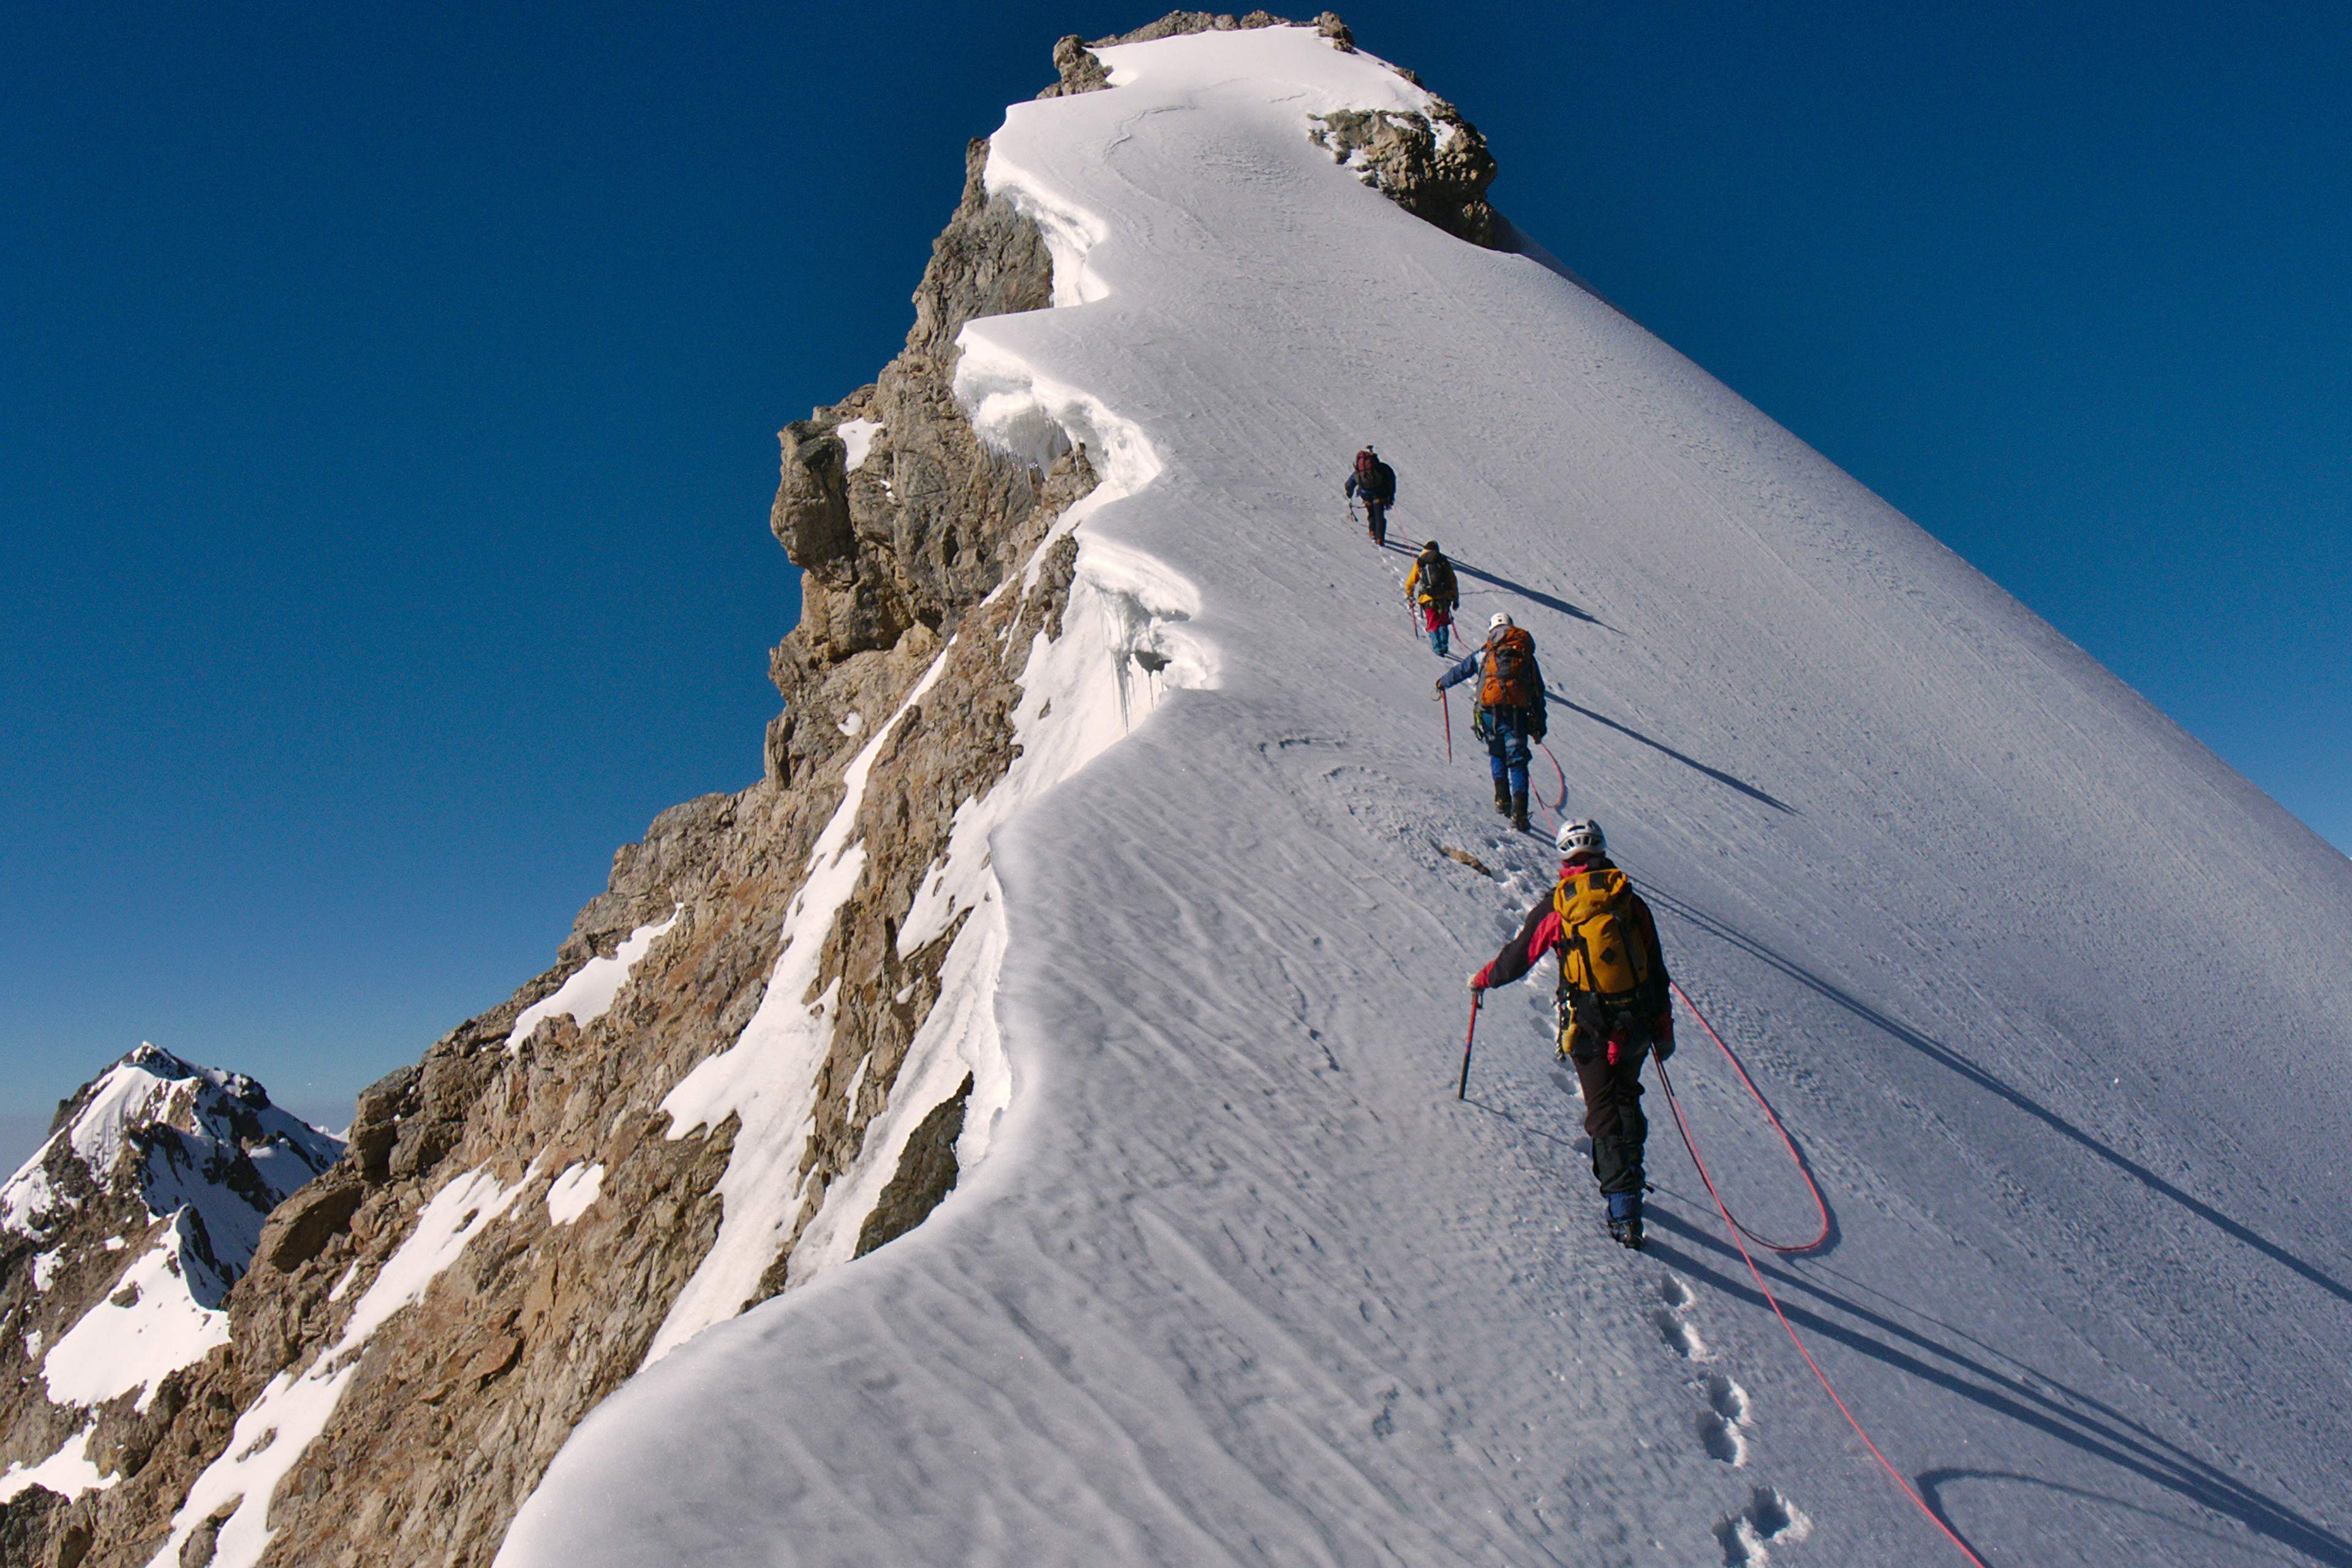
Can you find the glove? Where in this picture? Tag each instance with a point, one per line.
(1441, 688)
(1537, 728)
(1478, 981)
(1663, 1035)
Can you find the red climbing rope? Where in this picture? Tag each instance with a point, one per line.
(1737, 1230)
(1821, 1209)
(1561, 804)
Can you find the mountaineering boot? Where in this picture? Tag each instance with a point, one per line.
(1502, 796)
(1625, 1219)
(1520, 810)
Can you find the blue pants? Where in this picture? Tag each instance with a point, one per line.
(1441, 628)
(1507, 746)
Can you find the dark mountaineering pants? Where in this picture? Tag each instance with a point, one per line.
(1612, 1114)
(1376, 514)
(1507, 749)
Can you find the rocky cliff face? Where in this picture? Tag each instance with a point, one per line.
(742, 1068)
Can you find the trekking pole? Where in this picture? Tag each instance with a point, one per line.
(1463, 1091)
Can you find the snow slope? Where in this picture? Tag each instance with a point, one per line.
(2050, 997)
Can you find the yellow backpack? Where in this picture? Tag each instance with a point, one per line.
(1603, 955)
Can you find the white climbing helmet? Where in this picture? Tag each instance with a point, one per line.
(1496, 622)
(1583, 837)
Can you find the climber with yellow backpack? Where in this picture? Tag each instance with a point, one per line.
(1510, 711)
(1431, 588)
(1614, 1007)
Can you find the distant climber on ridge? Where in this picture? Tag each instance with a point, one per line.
(1510, 709)
(1430, 585)
(1375, 482)
(1614, 1005)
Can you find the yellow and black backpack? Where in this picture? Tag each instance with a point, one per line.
(1605, 961)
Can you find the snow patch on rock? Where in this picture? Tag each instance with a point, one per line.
(769, 1075)
(569, 1196)
(593, 989)
(149, 1326)
(857, 441)
(68, 1472)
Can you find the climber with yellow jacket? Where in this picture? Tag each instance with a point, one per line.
(1430, 587)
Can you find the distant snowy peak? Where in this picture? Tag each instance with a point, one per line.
(177, 1137)
(121, 1238)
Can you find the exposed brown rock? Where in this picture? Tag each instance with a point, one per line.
(1434, 165)
(1080, 70)
(1177, 23)
(926, 1174)
(28, 1524)
(300, 1227)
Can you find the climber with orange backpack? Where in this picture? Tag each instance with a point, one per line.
(1510, 709)
(1613, 1004)
(1375, 482)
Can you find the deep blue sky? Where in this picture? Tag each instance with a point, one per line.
(387, 406)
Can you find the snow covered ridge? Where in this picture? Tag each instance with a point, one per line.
(1241, 1279)
(121, 1238)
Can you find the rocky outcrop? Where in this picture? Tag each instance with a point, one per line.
(1080, 70)
(927, 1173)
(1435, 165)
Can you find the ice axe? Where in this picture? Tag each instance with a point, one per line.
(1463, 1091)
(1445, 704)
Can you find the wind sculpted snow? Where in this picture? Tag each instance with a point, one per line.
(2050, 998)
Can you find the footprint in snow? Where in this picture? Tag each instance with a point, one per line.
(1680, 1338)
(1723, 1428)
(1768, 1520)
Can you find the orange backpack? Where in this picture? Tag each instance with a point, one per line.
(1510, 664)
